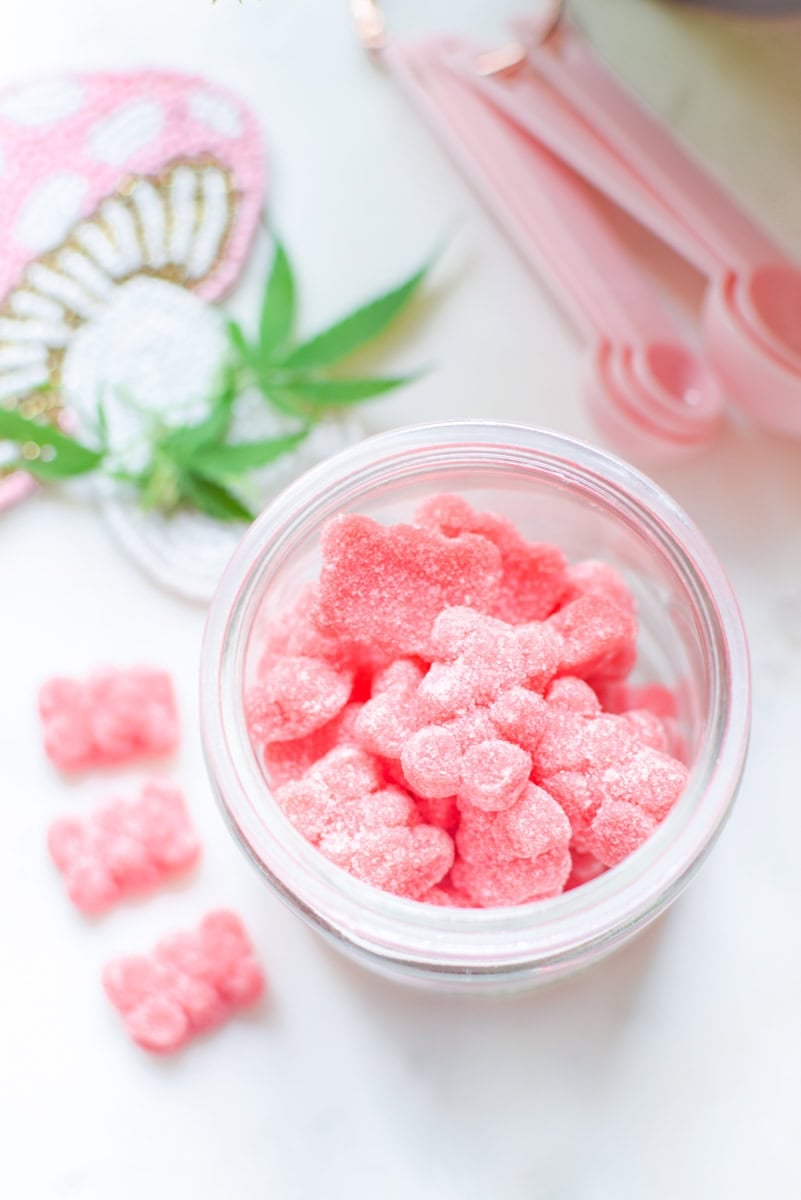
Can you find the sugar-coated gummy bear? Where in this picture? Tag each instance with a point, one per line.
(514, 856)
(403, 860)
(598, 637)
(432, 762)
(477, 657)
(593, 578)
(465, 757)
(113, 716)
(573, 695)
(371, 830)
(533, 578)
(299, 695)
(612, 784)
(617, 830)
(388, 585)
(520, 716)
(493, 774)
(389, 717)
(444, 895)
(534, 825)
(447, 713)
(191, 983)
(492, 883)
(286, 762)
(125, 848)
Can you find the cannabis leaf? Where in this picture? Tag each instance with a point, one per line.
(296, 378)
(195, 465)
(354, 331)
(45, 451)
(278, 307)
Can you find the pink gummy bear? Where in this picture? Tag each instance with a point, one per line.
(298, 696)
(445, 895)
(388, 585)
(114, 716)
(296, 632)
(286, 762)
(329, 799)
(477, 657)
(374, 831)
(514, 856)
(640, 705)
(614, 786)
(299, 633)
(573, 695)
(127, 847)
(389, 718)
(492, 883)
(599, 638)
(489, 773)
(590, 577)
(191, 983)
(431, 762)
(533, 573)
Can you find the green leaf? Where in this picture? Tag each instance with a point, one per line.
(359, 327)
(278, 307)
(231, 460)
(160, 485)
(314, 395)
(213, 498)
(59, 457)
(102, 424)
(274, 392)
(239, 342)
(182, 443)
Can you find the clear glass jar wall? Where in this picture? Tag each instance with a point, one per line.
(691, 638)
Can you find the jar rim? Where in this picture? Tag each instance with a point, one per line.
(426, 939)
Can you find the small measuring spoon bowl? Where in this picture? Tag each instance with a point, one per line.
(768, 300)
(763, 385)
(622, 419)
(676, 388)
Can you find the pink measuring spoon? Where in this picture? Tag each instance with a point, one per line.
(644, 386)
(752, 317)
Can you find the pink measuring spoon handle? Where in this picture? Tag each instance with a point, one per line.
(529, 100)
(706, 209)
(483, 154)
(550, 211)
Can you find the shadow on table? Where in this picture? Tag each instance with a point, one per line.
(588, 1008)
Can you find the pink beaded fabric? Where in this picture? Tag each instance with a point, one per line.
(125, 196)
(129, 205)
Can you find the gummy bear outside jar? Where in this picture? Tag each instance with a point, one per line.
(691, 639)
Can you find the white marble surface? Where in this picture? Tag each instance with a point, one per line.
(670, 1071)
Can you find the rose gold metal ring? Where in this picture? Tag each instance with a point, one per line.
(370, 25)
(368, 18)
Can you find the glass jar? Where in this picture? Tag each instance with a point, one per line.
(691, 639)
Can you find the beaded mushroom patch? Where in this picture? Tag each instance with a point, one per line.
(128, 206)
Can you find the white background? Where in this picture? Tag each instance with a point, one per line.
(670, 1071)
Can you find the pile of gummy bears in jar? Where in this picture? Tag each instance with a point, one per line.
(445, 712)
